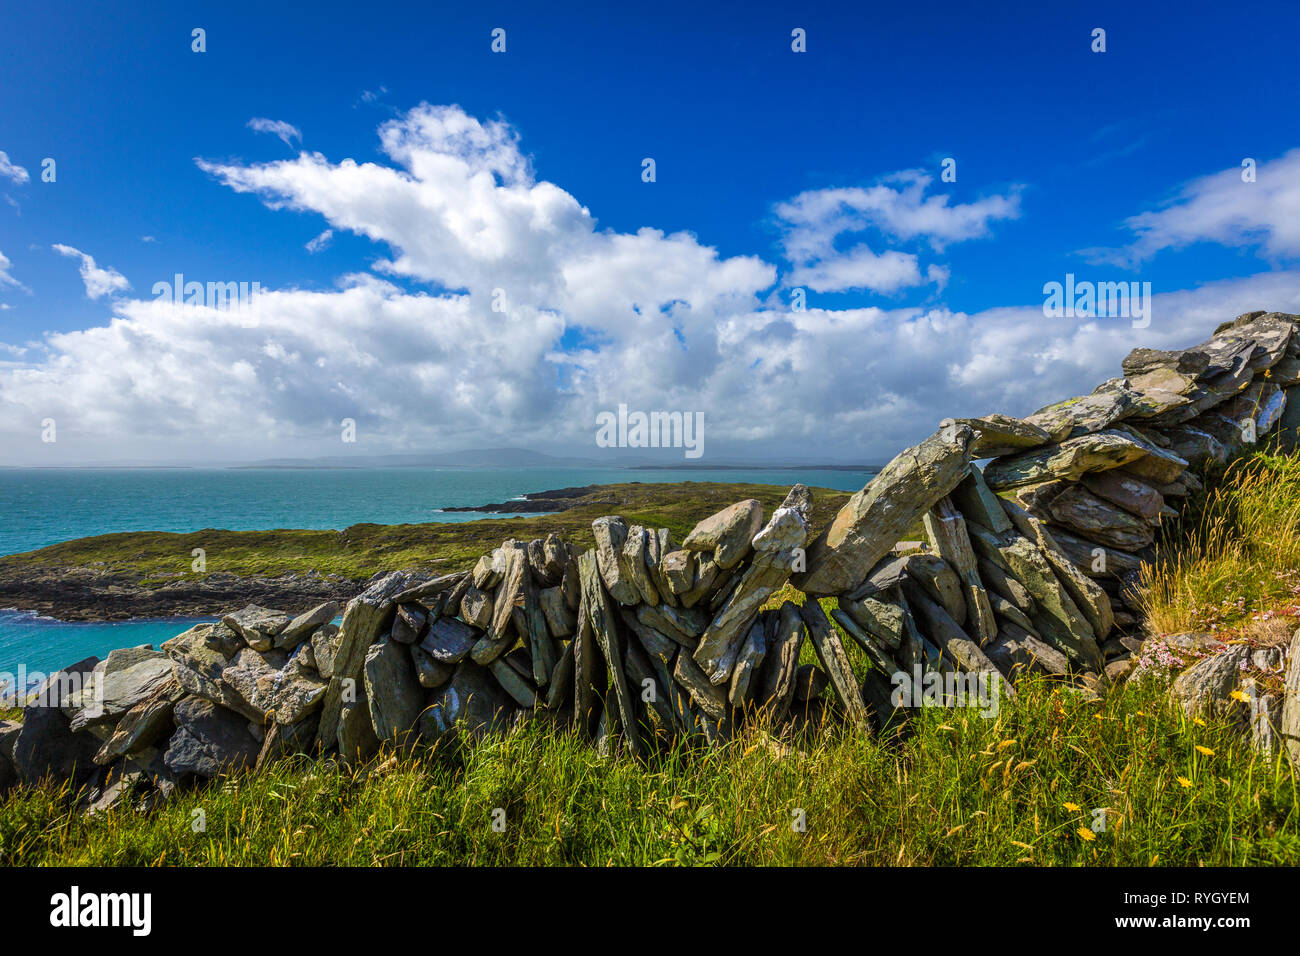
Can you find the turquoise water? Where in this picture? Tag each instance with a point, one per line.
(42, 644)
(39, 507)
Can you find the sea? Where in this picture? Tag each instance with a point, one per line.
(44, 506)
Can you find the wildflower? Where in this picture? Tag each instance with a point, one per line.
(1204, 750)
(1072, 807)
(1087, 835)
(1184, 782)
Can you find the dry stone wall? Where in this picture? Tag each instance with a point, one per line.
(1028, 566)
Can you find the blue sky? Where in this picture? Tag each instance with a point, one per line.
(760, 152)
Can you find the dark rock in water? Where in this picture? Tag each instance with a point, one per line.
(209, 740)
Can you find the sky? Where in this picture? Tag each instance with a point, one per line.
(456, 246)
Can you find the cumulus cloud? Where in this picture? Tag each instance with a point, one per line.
(897, 208)
(287, 132)
(527, 320)
(99, 280)
(10, 171)
(1222, 208)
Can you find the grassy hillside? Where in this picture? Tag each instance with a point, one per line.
(361, 550)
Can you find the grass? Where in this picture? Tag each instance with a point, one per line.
(1029, 786)
(1233, 565)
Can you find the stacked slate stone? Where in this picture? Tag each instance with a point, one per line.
(1028, 567)
(1096, 473)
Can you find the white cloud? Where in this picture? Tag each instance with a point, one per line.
(898, 208)
(1222, 208)
(287, 132)
(592, 318)
(320, 242)
(10, 171)
(99, 280)
(5, 278)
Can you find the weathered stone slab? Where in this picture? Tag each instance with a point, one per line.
(1071, 459)
(997, 435)
(830, 651)
(776, 678)
(1073, 506)
(258, 626)
(249, 682)
(324, 648)
(449, 640)
(946, 529)
(209, 740)
(1289, 725)
(410, 624)
(1108, 403)
(944, 632)
(304, 625)
(711, 698)
(978, 503)
(476, 607)
(1018, 651)
(1090, 598)
(727, 534)
(683, 625)
(355, 736)
(471, 704)
(775, 548)
(748, 660)
(604, 625)
(429, 671)
(882, 619)
(633, 563)
(367, 616)
(876, 517)
(298, 693)
(523, 691)
(611, 536)
(560, 618)
(1127, 491)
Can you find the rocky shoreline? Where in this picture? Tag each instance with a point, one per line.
(536, 502)
(89, 594)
